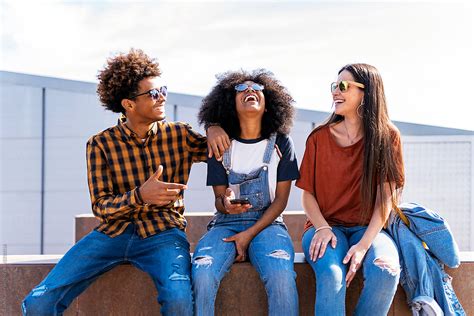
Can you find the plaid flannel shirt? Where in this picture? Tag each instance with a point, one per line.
(118, 162)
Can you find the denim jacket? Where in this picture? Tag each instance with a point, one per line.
(427, 286)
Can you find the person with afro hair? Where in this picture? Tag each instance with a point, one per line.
(251, 186)
(137, 172)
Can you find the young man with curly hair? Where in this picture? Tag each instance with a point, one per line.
(137, 171)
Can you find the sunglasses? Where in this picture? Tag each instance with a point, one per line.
(154, 93)
(243, 86)
(344, 85)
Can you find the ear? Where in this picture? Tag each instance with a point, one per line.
(127, 104)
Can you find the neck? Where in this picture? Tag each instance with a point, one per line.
(139, 128)
(250, 128)
(353, 124)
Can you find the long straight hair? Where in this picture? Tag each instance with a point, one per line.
(379, 162)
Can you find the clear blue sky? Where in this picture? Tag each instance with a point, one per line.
(423, 49)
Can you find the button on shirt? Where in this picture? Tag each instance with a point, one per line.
(118, 162)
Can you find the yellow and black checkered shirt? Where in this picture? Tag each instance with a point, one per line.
(118, 162)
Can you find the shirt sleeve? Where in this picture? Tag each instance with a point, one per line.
(307, 179)
(196, 144)
(106, 205)
(216, 173)
(288, 165)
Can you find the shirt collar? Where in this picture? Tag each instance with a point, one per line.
(131, 134)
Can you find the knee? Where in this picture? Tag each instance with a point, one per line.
(383, 271)
(330, 276)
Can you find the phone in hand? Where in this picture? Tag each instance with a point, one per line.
(240, 201)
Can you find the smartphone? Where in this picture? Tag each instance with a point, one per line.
(240, 201)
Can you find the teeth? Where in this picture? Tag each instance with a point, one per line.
(250, 97)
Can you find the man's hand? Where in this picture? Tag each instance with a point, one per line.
(160, 193)
(217, 141)
(242, 241)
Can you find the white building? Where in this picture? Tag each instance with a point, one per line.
(45, 123)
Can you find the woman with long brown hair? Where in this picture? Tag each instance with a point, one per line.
(351, 174)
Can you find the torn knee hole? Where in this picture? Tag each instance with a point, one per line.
(205, 260)
(279, 254)
(389, 264)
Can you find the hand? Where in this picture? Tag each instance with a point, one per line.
(233, 208)
(217, 141)
(160, 193)
(355, 254)
(319, 243)
(242, 241)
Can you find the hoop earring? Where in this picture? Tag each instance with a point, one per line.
(359, 108)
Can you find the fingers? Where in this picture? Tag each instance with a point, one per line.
(214, 150)
(174, 187)
(352, 271)
(334, 242)
(158, 172)
(322, 250)
(314, 249)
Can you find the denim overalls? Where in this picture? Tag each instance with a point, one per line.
(270, 252)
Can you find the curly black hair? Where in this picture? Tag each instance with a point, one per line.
(120, 77)
(219, 105)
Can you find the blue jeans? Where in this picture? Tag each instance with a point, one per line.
(270, 252)
(164, 256)
(380, 268)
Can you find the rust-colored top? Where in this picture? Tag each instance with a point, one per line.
(333, 174)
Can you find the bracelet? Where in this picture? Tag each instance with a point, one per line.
(323, 227)
(139, 197)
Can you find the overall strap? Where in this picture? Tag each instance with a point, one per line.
(267, 156)
(226, 159)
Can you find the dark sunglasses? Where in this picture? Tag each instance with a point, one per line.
(344, 85)
(154, 93)
(254, 86)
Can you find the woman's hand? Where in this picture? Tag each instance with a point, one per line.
(233, 208)
(355, 255)
(320, 241)
(217, 141)
(242, 241)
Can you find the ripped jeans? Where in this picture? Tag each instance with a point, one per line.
(164, 256)
(380, 268)
(270, 252)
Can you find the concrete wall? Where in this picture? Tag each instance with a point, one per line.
(45, 123)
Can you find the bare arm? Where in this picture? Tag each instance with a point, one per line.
(357, 252)
(324, 235)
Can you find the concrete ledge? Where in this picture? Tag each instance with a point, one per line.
(126, 290)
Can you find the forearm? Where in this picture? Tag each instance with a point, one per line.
(312, 210)
(378, 219)
(109, 207)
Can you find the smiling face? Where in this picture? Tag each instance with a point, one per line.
(250, 103)
(143, 107)
(346, 103)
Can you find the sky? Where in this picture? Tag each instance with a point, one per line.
(424, 50)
